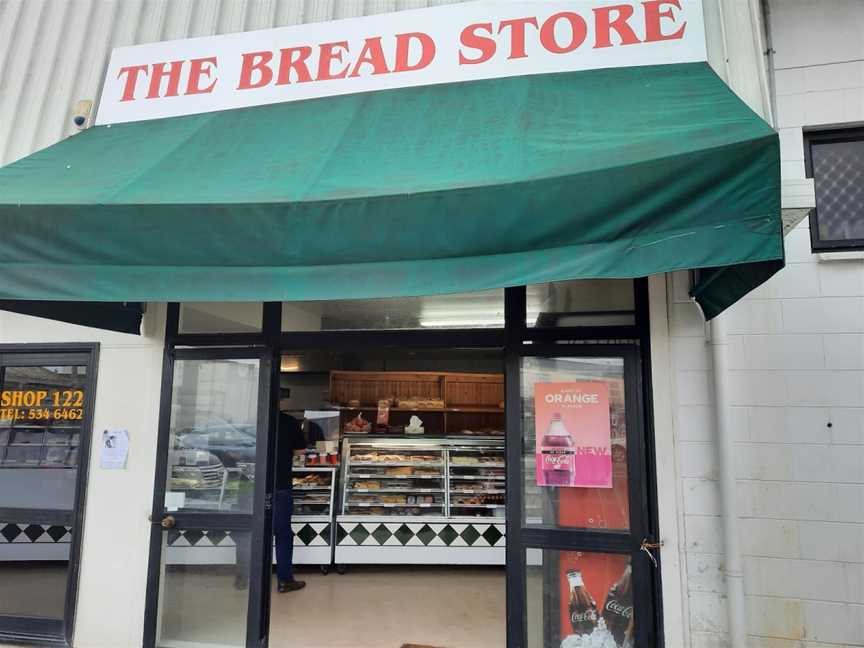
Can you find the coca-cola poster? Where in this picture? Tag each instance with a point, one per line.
(574, 434)
(596, 600)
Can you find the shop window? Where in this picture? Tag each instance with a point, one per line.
(460, 311)
(42, 427)
(591, 492)
(39, 441)
(220, 317)
(213, 436)
(590, 302)
(578, 598)
(835, 161)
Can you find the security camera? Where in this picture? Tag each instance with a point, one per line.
(81, 112)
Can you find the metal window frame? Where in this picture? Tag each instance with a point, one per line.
(44, 631)
(839, 136)
(515, 340)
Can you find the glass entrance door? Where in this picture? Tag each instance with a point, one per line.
(581, 564)
(208, 584)
(45, 413)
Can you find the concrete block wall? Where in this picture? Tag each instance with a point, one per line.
(818, 70)
(797, 363)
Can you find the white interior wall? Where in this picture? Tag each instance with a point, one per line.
(116, 529)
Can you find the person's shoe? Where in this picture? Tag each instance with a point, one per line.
(290, 586)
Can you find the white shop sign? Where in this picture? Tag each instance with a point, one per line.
(453, 43)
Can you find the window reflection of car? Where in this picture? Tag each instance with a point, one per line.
(232, 444)
(202, 455)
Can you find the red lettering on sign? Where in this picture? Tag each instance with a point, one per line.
(294, 59)
(371, 54)
(604, 26)
(653, 15)
(517, 35)
(578, 28)
(199, 70)
(485, 44)
(131, 72)
(329, 52)
(172, 74)
(403, 49)
(255, 62)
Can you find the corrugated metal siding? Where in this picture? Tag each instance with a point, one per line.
(54, 52)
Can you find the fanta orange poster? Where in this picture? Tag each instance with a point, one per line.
(574, 434)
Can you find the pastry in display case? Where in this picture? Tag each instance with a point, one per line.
(421, 501)
(314, 491)
(476, 480)
(394, 481)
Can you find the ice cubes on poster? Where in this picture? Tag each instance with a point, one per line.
(600, 637)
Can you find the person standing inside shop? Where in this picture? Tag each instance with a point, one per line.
(289, 440)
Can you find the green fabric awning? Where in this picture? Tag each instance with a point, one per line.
(438, 189)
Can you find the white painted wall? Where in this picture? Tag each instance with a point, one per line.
(797, 367)
(116, 529)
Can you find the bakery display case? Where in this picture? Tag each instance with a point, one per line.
(421, 501)
(394, 480)
(314, 491)
(476, 480)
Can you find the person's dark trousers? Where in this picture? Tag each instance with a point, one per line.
(283, 509)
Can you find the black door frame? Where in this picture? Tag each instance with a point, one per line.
(258, 523)
(515, 339)
(39, 630)
(625, 542)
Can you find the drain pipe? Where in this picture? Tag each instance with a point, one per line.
(750, 13)
(736, 609)
(719, 340)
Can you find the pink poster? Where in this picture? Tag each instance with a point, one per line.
(574, 435)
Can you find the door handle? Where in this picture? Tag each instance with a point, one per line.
(168, 522)
(649, 547)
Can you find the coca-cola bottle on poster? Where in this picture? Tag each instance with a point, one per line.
(583, 609)
(618, 610)
(557, 454)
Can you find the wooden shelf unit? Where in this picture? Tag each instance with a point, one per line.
(471, 400)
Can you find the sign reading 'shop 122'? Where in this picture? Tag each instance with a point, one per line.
(453, 43)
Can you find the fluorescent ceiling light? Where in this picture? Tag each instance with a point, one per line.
(473, 322)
